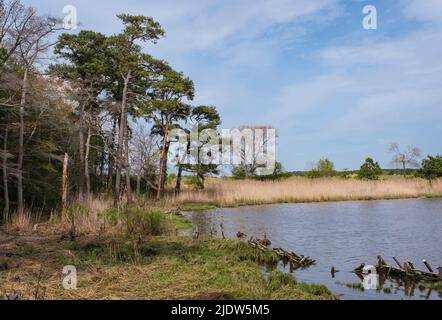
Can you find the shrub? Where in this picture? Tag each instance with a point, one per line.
(432, 168)
(111, 216)
(370, 170)
(146, 222)
(323, 168)
(238, 172)
(344, 174)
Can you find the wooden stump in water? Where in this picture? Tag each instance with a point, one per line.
(428, 266)
(196, 233)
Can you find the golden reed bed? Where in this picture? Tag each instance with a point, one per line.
(226, 192)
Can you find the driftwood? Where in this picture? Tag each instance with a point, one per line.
(295, 259)
(300, 260)
(256, 243)
(405, 270)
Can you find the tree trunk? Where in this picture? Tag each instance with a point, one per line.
(20, 203)
(405, 169)
(120, 147)
(163, 164)
(102, 160)
(200, 180)
(138, 183)
(81, 172)
(178, 179)
(127, 165)
(64, 184)
(180, 171)
(163, 185)
(86, 166)
(5, 171)
(110, 173)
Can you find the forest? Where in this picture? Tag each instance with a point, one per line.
(86, 113)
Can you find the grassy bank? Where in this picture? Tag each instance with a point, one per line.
(232, 193)
(127, 261)
(156, 268)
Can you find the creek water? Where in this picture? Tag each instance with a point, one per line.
(344, 235)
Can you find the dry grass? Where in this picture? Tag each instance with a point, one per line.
(98, 217)
(155, 268)
(227, 192)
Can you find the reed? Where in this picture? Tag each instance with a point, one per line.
(228, 192)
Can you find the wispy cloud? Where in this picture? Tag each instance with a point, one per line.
(424, 10)
(305, 66)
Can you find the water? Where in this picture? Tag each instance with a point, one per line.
(344, 235)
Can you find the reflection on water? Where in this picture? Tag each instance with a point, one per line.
(343, 235)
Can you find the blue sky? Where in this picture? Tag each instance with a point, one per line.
(307, 67)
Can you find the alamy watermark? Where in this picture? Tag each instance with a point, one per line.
(70, 21)
(70, 277)
(246, 146)
(370, 21)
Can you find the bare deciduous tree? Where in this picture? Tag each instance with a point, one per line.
(32, 44)
(145, 156)
(251, 151)
(409, 158)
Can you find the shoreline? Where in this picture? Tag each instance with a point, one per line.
(123, 266)
(225, 193)
(195, 207)
(168, 268)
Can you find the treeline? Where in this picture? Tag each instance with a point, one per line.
(430, 169)
(101, 102)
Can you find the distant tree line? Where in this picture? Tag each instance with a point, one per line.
(430, 169)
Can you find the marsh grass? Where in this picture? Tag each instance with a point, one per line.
(356, 286)
(436, 286)
(231, 193)
(98, 217)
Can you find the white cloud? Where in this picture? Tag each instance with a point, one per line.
(309, 96)
(424, 10)
(374, 86)
(228, 26)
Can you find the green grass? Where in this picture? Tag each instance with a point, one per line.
(315, 289)
(179, 221)
(355, 286)
(387, 290)
(432, 195)
(436, 286)
(197, 207)
(178, 267)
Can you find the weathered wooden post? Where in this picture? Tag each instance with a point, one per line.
(428, 266)
(411, 265)
(222, 231)
(381, 262)
(196, 234)
(64, 183)
(397, 262)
